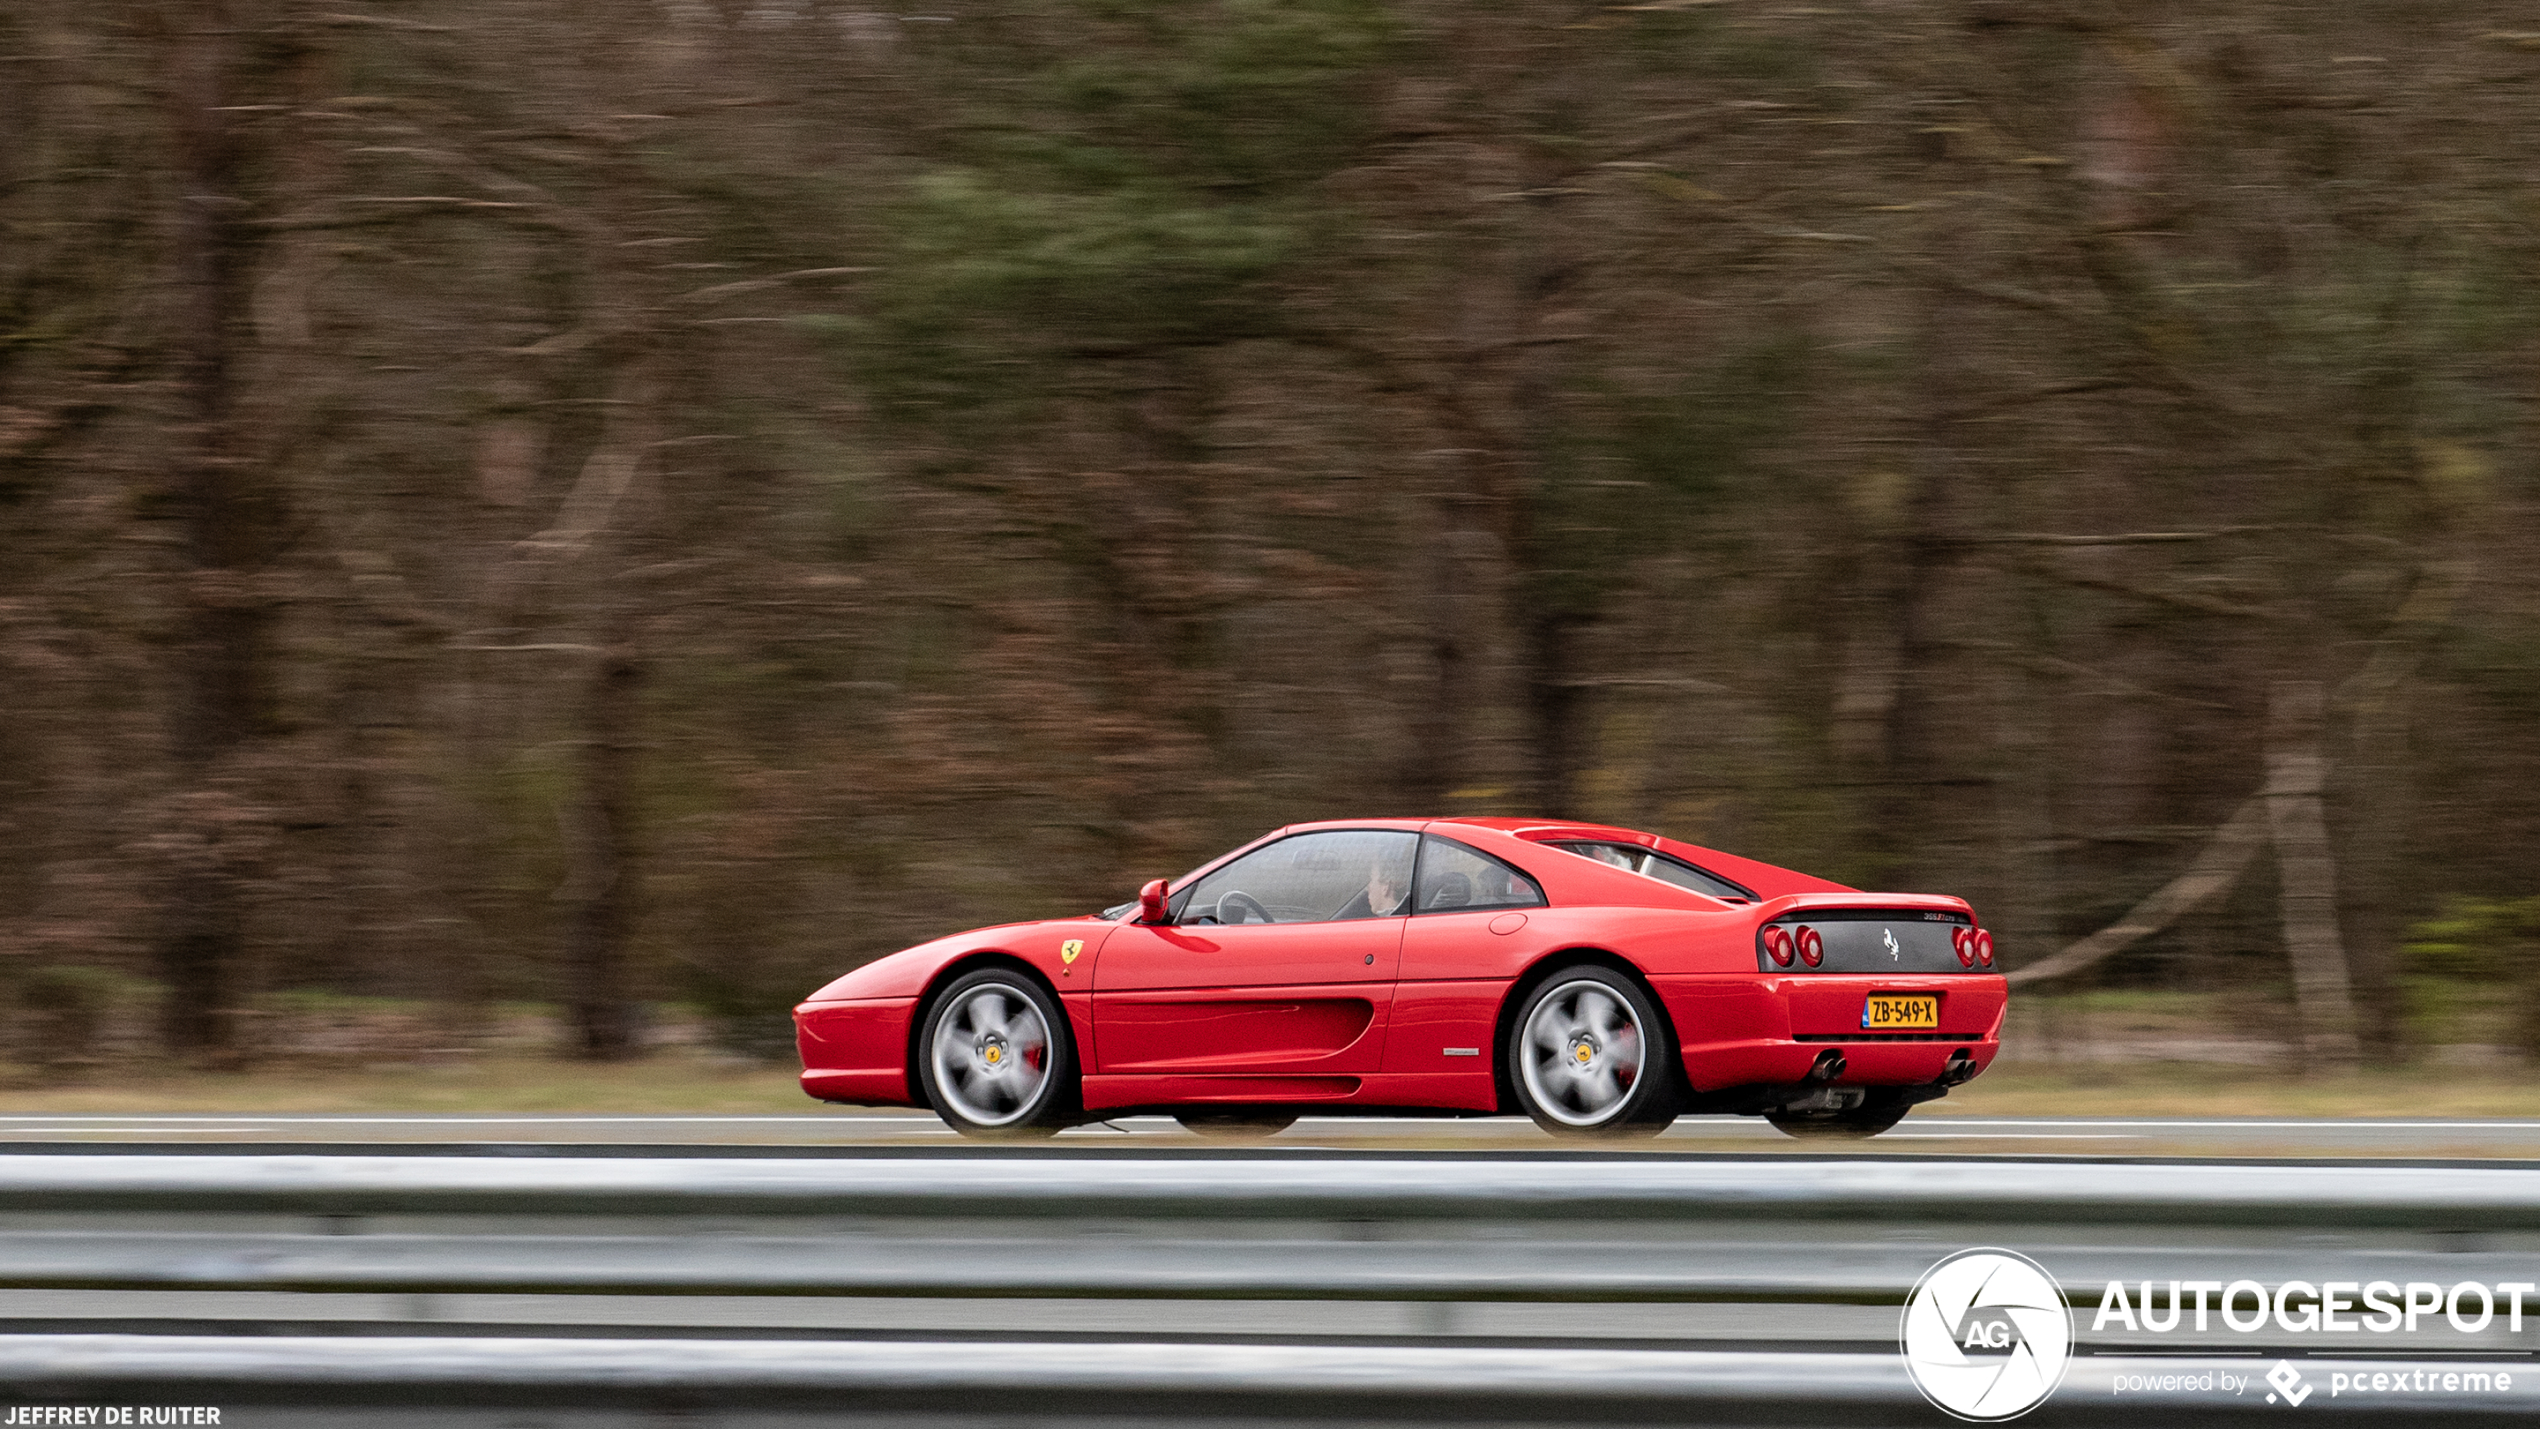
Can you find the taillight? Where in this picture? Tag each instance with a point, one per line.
(1812, 949)
(1777, 943)
(1984, 947)
(1964, 941)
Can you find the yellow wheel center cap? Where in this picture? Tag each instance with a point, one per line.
(1584, 1052)
(993, 1055)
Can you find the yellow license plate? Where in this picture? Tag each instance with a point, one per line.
(1887, 1012)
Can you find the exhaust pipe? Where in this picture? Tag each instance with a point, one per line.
(1960, 1067)
(1830, 1066)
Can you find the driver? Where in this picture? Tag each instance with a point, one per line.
(1382, 897)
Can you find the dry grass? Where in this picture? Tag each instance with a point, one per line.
(665, 1082)
(2189, 1089)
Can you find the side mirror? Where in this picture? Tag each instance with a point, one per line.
(1151, 902)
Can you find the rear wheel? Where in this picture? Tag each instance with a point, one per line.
(1234, 1125)
(1591, 1056)
(996, 1060)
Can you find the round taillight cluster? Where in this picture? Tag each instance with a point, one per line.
(1983, 942)
(1963, 940)
(1777, 942)
(1812, 949)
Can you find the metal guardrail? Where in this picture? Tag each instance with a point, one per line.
(954, 1366)
(1637, 1229)
(1623, 1268)
(1028, 1381)
(1830, 1232)
(1896, 1190)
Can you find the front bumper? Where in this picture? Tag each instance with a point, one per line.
(856, 1052)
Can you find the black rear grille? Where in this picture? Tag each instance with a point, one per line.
(1887, 1037)
(1874, 940)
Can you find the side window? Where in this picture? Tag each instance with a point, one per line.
(1456, 879)
(1657, 865)
(1311, 878)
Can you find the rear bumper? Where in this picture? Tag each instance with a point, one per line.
(856, 1052)
(1743, 1030)
(1877, 1062)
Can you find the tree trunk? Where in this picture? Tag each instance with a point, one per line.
(2378, 781)
(601, 889)
(1451, 612)
(2295, 776)
(221, 663)
(1556, 724)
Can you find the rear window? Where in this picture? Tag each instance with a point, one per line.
(1650, 863)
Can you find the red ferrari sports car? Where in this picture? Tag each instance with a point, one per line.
(1600, 980)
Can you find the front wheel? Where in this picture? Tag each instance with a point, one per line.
(1591, 1056)
(996, 1059)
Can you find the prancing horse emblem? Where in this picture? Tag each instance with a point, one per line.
(1069, 950)
(1889, 934)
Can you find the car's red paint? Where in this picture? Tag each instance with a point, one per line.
(1408, 1011)
(1231, 1002)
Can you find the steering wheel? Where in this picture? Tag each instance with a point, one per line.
(1238, 907)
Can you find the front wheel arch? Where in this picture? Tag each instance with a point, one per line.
(1504, 1077)
(953, 972)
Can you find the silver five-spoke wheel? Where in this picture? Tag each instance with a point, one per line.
(1583, 1053)
(992, 1058)
(1590, 1056)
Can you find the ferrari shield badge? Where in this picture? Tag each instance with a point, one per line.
(1068, 951)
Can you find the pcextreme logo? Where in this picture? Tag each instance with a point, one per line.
(1986, 1335)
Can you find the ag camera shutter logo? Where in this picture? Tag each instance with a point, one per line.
(1987, 1335)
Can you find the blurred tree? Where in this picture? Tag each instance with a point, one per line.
(1912, 445)
(232, 515)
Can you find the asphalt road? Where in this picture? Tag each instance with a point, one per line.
(1928, 1134)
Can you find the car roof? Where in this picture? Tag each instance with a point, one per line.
(1768, 880)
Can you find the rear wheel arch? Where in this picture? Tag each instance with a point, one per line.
(1503, 1076)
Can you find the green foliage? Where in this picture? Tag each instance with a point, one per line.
(1129, 261)
(727, 973)
(2496, 660)
(1696, 442)
(1107, 198)
(1237, 91)
(2479, 939)
(66, 1008)
(2479, 960)
(1705, 43)
(1663, 468)
(82, 992)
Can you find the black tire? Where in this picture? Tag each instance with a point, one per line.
(987, 1070)
(1569, 1085)
(1234, 1125)
(1855, 1124)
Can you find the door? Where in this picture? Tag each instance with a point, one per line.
(1283, 961)
(1458, 955)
